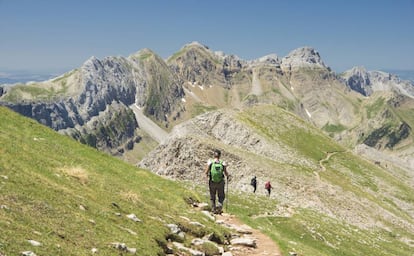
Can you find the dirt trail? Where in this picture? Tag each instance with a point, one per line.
(321, 163)
(326, 159)
(265, 245)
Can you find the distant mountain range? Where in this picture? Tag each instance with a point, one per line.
(403, 74)
(86, 103)
(13, 77)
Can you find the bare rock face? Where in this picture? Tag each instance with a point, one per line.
(198, 65)
(112, 130)
(358, 80)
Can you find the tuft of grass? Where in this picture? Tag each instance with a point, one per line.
(76, 172)
(199, 109)
(334, 128)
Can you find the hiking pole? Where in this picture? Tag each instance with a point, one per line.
(227, 193)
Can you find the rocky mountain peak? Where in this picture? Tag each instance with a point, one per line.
(93, 63)
(270, 59)
(360, 71)
(367, 82)
(196, 45)
(145, 52)
(358, 80)
(302, 58)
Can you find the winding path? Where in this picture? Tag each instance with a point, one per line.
(322, 161)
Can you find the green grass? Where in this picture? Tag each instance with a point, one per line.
(279, 125)
(145, 56)
(373, 109)
(199, 108)
(17, 92)
(333, 128)
(46, 179)
(36, 91)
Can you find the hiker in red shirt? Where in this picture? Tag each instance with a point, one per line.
(268, 187)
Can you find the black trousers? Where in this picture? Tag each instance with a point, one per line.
(216, 188)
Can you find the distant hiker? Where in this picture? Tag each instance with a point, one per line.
(268, 187)
(253, 182)
(215, 171)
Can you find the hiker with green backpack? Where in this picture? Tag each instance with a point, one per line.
(216, 169)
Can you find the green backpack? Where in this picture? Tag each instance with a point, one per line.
(216, 171)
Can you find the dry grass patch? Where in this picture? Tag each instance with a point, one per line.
(78, 173)
(130, 196)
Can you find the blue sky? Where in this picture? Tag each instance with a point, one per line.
(59, 35)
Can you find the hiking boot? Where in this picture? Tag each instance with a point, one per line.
(219, 209)
(213, 210)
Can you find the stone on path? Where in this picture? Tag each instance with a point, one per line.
(249, 242)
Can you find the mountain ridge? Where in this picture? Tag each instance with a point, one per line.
(196, 79)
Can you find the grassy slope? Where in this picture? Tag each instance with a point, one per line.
(45, 180)
(45, 177)
(312, 233)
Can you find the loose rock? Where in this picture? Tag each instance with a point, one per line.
(34, 243)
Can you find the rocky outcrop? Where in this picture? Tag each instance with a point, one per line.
(198, 65)
(388, 136)
(112, 130)
(190, 144)
(305, 57)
